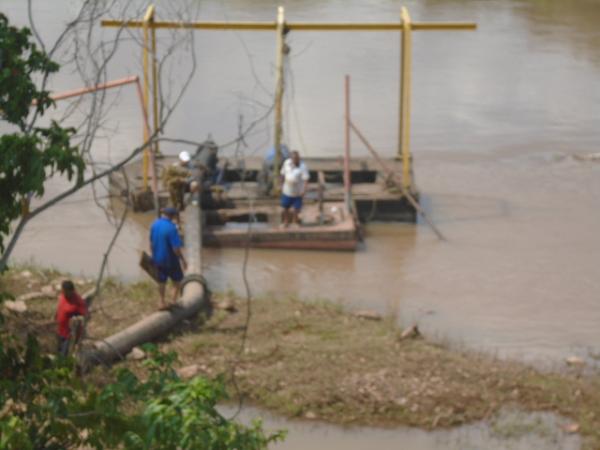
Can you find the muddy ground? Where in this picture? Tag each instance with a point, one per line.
(315, 360)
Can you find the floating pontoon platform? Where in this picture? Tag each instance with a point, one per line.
(331, 229)
(374, 198)
(325, 223)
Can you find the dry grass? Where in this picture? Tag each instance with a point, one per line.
(118, 305)
(314, 360)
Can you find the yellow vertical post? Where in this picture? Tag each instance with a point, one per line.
(146, 161)
(405, 87)
(154, 86)
(278, 97)
(347, 177)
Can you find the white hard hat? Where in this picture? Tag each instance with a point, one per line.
(184, 157)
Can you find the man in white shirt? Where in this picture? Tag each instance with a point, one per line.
(295, 176)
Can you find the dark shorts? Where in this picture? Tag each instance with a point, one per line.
(174, 273)
(288, 202)
(62, 345)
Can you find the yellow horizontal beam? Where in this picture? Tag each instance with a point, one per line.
(443, 26)
(298, 26)
(192, 25)
(303, 26)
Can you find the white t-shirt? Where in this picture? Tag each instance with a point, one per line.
(293, 178)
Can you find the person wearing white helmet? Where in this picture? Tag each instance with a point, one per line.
(184, 158)
(179, 180)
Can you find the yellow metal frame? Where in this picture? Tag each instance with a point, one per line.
(148, 18)
(279, 56)
(294, 26)
(154, 83)
(405, 90)
(406, 26)
(149, 32)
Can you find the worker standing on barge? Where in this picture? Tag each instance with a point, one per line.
(177, 178)
(294, 177)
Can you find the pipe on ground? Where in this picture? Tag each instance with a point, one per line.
(194, 298)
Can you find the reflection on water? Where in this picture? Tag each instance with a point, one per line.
(493, 112)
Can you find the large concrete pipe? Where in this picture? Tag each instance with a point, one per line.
(194, 298)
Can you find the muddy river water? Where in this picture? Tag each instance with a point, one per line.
(499, 116)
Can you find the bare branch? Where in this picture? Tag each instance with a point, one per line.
(56, 199)
(111, 244)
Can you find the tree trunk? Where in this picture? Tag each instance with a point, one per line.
(12, 242)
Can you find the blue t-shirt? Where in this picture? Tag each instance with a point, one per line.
(270, 155)
(164, 238)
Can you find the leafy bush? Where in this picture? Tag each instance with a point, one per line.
(47, 405)
(30, 155)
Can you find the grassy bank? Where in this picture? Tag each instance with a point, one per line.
(316, 361)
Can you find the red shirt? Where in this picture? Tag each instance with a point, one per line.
(66, 310)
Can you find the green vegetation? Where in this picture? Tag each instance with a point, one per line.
(47, 404)
(32, 154)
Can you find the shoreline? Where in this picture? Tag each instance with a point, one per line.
(315, 361)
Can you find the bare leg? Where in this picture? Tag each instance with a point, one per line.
(285, 217)
(161, 291)
(296, 217)
(180, 200)
(176, 287)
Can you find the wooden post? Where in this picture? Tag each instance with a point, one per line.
(154, 85)
(405, 86)
(321, 195)
(147, 18)
(347, 181)
(278, 97)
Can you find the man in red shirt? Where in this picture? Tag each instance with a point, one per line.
(70, 304)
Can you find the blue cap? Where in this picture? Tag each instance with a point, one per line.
(168, 211)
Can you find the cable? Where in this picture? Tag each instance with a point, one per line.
(294, 108)
(244, 338)
(104, 264)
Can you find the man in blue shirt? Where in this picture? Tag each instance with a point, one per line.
(265, 176)
(166, 253)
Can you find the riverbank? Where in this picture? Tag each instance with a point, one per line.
(314, 360)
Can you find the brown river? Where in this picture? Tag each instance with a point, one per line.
(500, 116)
